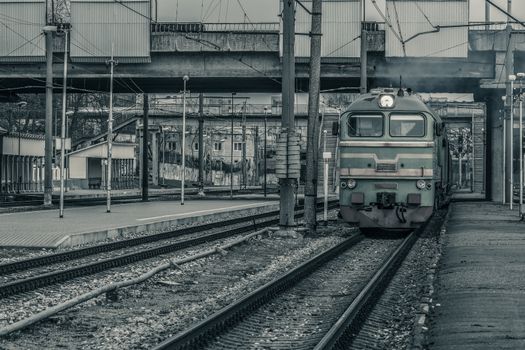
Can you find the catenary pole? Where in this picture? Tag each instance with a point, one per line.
(145, 136)
(183, 152)
(231, 152)
(364, 52)
(243, 147)
(264, 159)
(287, 183)
(110, 133)
(310, 190)
(63, 129)
(201, 144)
(48, 146)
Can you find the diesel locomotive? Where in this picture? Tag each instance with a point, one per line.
(393, 161)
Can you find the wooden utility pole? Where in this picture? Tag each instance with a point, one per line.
(145, 167)
(312, 151)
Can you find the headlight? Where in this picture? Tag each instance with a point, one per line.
(351, 183)
(386, 101)
(343, 184)
(421, 184)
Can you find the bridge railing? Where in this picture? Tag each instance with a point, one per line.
(196, 27)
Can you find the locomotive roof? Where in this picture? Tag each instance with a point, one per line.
(408, 103)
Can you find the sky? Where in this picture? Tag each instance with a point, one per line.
(266, 10)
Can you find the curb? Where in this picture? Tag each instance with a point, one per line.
(421, 322)
(158, 226)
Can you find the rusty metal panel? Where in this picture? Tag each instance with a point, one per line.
(21, 36)
(340, 28)
(97, 25)
(418, 28)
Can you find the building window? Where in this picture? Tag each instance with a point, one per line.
(217, 146)
(237, 146)
(171, 145)
(196, 146)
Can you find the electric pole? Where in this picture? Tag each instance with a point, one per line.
(509, 102)
(364, 54)
(145, 168)
(111, 63)
(243, 164)
(201, 144)
(231, 151)
(288, 151)
(256, 156)
(63, 129)
(312, 151)
(48, 146)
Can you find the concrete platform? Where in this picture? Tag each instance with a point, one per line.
(44, 229)
(480, 286)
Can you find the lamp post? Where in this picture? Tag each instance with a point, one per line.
(264, 161)
(185, 79)
(521, 76)
(504, 130)
(512, 78)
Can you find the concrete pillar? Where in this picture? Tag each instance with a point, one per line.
(495, 120)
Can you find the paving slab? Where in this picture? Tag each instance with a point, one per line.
(44, 229)
(479, 301)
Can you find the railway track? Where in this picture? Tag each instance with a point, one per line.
(237, 323)
(41, 280)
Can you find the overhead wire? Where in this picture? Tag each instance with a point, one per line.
(135, 11)
(17, 33)
(24, 44)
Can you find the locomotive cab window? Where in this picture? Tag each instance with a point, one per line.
(365, 125)
(407, 125)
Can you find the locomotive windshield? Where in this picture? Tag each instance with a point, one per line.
(407, 125)
(365, 125)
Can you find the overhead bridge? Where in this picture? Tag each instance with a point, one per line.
(250, 61)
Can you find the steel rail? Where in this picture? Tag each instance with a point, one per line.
(39, 281)
(199, 334)
(351, 320)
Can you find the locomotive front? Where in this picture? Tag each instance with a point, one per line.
(388, 161)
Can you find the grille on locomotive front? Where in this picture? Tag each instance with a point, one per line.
(386, 167)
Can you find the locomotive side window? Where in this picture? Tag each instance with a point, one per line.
(407, 125)
(365, 125)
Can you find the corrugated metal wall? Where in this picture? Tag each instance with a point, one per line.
(215, 11)
(410, 17)
(96, 24)
(21, 36)
(340, 27)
